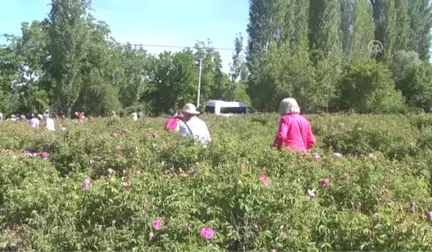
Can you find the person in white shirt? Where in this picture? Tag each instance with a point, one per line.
(13, 118)
(50, 125)
(134, 116)
(34, 122)
(194, 126)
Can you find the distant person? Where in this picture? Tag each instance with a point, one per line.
(1, 116)
(50, 125)
(60, 115)
(13, 118)
(173, 123)
(79, 115)
(113, 114)
(35, 121)
(294, 131)
(193, 125)
(134, 116)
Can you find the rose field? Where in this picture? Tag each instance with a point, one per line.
(120, 185)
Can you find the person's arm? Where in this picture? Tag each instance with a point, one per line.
(281, 133)
(207, 133)
(310, 138)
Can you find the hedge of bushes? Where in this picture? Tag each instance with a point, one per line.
(119, 185)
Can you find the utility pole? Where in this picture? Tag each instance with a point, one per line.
(199, 83)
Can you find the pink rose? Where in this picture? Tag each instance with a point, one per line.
(207, 232)
(265, 180)
(324, 181)
(85, 184)
(157, 224)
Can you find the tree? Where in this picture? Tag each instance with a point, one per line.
(384, 16)
(346, 24)
(281, 77)
(239, 74)
(68, 44)
(99, 96)
(267, 25)
(238, 67)
(214, 84)
(363, 31)
(326, 49)
(132, 73)
(402, 23)
(367, 87)
(277, 47)
(324, 25)
(413, 78)
(420, 17)
(174, 81)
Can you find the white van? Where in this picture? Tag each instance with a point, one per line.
(225, 108)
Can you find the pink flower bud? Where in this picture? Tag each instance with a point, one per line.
(324, 181)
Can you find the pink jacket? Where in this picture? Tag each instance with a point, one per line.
(172, 123)
(295, 132)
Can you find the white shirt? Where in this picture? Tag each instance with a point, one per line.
(34, 123)
(197, 128)
(135, 116)
(50, 125)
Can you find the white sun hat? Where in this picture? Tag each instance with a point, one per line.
(189, 108)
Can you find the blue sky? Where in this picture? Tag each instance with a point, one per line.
(156, 22)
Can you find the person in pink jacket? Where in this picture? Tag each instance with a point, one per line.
(294, 131)
(174, 122)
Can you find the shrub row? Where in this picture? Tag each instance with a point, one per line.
(120, 185)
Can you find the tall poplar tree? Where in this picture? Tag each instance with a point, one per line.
(402, 29)
(68, 42)
(384, 14)
(420, 16)
(363, 30)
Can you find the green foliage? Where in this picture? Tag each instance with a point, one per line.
(69, 61)
(384, 15)
(240, 93)
(420, 22)
(68, 42)
(280, 77)
(367, 86)
(377, 198)
(413, 79)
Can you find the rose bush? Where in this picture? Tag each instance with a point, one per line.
(148, 189)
